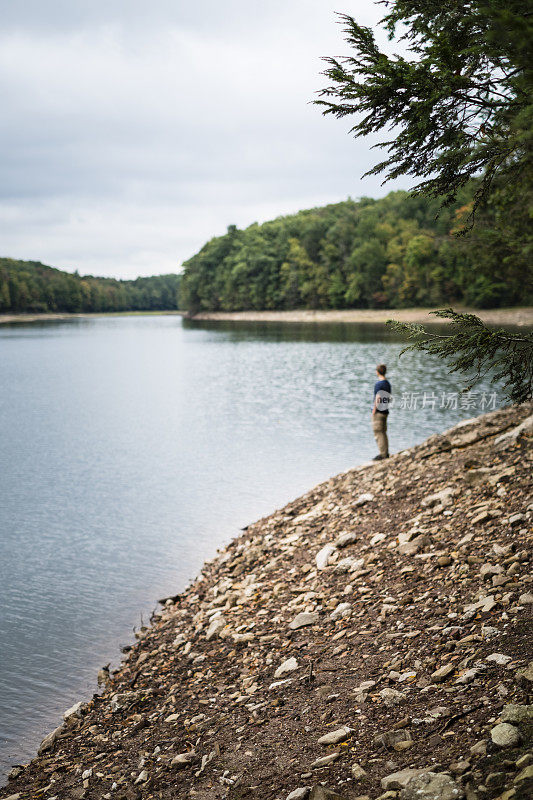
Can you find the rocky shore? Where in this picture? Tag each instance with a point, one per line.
(371, 639)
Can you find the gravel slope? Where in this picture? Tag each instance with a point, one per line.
(371, 639)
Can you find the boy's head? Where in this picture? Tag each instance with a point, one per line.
(381, 370)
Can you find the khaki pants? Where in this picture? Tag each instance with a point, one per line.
(379, 426)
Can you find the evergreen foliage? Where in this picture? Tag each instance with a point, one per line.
(394, 252)
(460, 106)
(29, 286)
(471, 347)
(459, 103)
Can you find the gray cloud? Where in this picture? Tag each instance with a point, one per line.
(133, 132)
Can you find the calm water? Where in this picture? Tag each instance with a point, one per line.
(132, 447)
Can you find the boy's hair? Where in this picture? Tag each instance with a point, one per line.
(382, 369)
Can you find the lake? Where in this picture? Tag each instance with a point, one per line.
(132, 447)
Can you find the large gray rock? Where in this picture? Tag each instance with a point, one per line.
(364, 498)
(325, 761)
(336, 737)
(215, 628)
(442, 498)
(49, 741)
(303, 619)
(432, 786)
(526, 673)
(323, 556)
(510, 437)
(342, 610)
(73, 711)
(323, 793)
(392, 697)
(505, 735)
(442, 673)
(288, 666)
(399, 780)
(183, 760)
(299, 794)
(345, 539)
(517, 714)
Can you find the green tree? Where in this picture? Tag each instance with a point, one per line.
(460, 106)
(459, 102)
(5, 297)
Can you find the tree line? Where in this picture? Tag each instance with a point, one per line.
(398, 251)
(29, 286)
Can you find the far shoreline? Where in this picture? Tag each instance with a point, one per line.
(7, 319)
(520, 316)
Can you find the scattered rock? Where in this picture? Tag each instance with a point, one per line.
(358, 773)
(323, 793)
(325, 761)
(525, 775)
(401, 608)
(289, 665)
(432, 786)
(392, 697)
(444, 561)
(215, 628)
(399, 780)
(517, 713)
(510, 437)
(323, 556)
(336, 737)
(73, 711)
(479, 748)
(183, 760)
(142, 777)
(442, 673)
(303, 619)
(398, 740)
(299, 794)
(342, 610)
(505, 735)
(345, 539)
(442, 498)
(499, 658)
(363, 499)
(526, 673)
(49, 741)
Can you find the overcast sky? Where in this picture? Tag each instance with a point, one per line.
(132, 131)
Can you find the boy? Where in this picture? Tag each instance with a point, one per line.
(380, 411)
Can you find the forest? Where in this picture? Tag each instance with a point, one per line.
(398, 251)
(29, 286)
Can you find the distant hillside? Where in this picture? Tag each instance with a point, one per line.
(29, 286)
(395, 252)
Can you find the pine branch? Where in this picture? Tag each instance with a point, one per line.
(470, 345)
